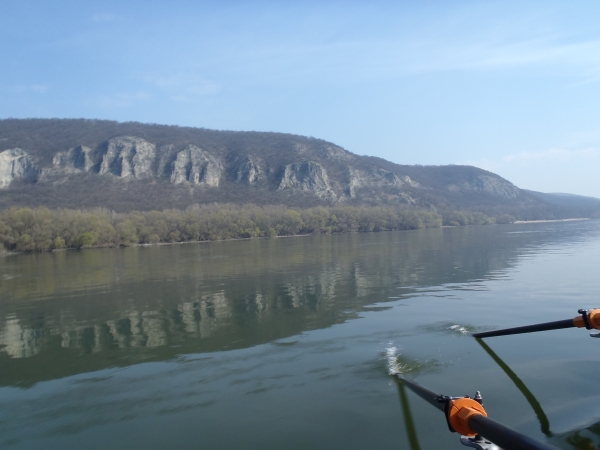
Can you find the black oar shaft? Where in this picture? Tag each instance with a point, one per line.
(503, 436)
(559, 324)
(423, 392)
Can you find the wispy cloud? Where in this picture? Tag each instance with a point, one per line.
(183, 82)
(182, 87)
(524, 159)
(122, 100)
(491, 55)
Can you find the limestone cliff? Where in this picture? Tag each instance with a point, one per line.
(124, 166)
(75, 159)
(308, 176)
(376, 178)
(16, 164)
(196, 166)
(488, 184)
(128, 156)
(247, 172)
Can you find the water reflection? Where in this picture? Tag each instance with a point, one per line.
(585, 439)
(101, 308)
(253, 344)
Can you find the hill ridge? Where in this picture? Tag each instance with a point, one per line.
(79, 163)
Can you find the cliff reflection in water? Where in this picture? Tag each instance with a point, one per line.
(71, 312)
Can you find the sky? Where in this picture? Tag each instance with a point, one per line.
(511, 87)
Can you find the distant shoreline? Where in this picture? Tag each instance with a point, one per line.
(551, 220)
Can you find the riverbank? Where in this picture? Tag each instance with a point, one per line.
(409, 220)
(41, 229)
(553, 220)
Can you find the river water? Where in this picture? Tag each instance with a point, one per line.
(288, 343)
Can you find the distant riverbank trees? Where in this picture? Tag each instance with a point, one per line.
(42, 229)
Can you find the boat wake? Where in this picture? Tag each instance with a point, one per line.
(459, 329)
(391, 356)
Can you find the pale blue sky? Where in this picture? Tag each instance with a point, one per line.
(509, 87)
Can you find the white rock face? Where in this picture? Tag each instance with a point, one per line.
(16, 164)
(376, 178)
(196, 166)
(410, 182)
(334, 152)
(76, 159)
(129, 156)
(491, 185)
(307, 176)
(164, 165)
(248, 172)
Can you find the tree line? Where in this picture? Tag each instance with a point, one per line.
(43, 229)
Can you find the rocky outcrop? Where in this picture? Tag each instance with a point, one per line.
(128, 156)
(137, 166)
(376, 178)
(488, 184)
(247, 172)
(308, 176)
(408, 181)
(16, 164)
(75, 159)
(403, 197)
(166, 156)
(334, 152)
(196, 166)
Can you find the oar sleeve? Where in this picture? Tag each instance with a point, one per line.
(468, 417)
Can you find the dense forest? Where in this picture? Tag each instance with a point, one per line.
(42, 229)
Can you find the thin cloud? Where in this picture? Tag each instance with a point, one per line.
(122, 100)
(182, 84)
(392, 57)
(524, 159)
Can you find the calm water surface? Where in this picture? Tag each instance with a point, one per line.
(287, 343)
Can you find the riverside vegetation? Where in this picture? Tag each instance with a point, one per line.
(89, 183)
(42, 229)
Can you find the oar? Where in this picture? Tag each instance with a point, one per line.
(588, 319)
(467, 416)
(408, 419)
(537, 408)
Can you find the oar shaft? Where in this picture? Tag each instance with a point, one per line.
(423, 392)
(559, 324)
(490, 429)
(503, 436)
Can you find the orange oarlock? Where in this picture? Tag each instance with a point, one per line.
(593, 319)
(459, 412)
